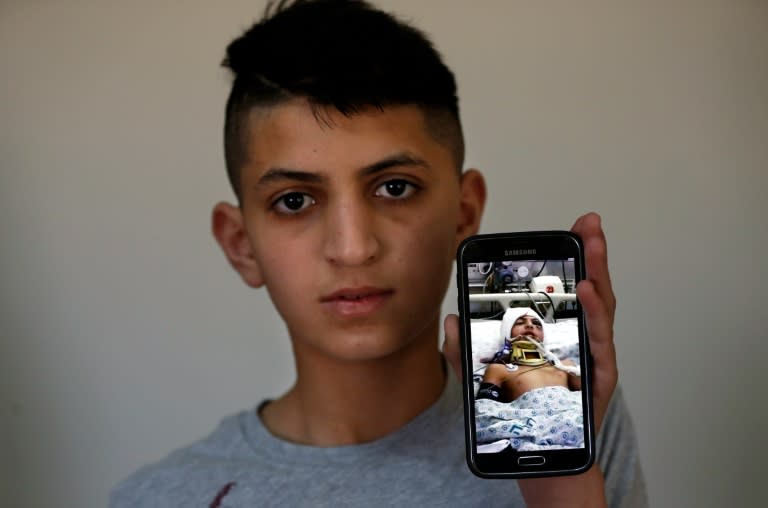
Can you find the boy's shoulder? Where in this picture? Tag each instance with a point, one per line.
(195, 474)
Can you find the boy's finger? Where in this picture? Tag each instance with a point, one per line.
(577, 225)
(589, 228)
(596, 252)
(600, 330)
(599, 323)
(451, 344)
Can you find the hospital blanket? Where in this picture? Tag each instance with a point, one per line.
(545, 418)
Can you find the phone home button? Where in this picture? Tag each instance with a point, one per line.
(531, 460)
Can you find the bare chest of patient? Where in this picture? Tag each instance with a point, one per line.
(528, 378)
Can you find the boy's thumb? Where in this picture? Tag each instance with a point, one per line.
(451, 344)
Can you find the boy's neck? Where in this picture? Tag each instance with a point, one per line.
(336, 403)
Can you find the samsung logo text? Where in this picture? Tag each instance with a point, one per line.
(519, 252)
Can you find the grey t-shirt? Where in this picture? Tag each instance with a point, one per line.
(422, 464)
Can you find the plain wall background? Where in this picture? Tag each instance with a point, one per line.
(124, 334)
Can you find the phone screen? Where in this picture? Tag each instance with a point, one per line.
(525, 357)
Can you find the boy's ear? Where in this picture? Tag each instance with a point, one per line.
(471, 204)
(229, 231)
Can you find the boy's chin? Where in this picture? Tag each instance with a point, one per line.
(358, 347)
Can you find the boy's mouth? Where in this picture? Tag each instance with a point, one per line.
(356, 301)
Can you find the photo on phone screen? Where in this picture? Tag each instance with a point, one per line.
(524, 331)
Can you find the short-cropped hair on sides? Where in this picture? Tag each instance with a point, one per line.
(342, 54)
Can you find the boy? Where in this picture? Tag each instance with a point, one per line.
(344, 148)
(517, 377)
(507, 378)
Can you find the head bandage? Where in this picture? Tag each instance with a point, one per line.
(529, 351)
(513, 314)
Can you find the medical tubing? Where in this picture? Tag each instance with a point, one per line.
(494, 316)
(552, 303)
(554, 360)
(536, 305)
(565, 277)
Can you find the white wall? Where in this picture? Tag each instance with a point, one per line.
(124, 334)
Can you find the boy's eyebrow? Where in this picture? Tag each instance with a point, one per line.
(400, 159)
(277, 174)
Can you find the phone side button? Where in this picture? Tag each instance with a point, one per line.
(531, 460)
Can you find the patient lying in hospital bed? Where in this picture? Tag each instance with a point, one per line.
(528, 396)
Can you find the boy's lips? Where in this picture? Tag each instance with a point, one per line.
(356, 301)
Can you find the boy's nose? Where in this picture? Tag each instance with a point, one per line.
(351, 237)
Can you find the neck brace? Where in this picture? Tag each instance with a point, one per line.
(524, 351)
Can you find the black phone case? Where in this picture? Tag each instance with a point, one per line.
(557, 462)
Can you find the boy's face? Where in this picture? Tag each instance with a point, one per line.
(351, 224)
(528, 325)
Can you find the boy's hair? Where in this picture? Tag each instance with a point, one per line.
(343, 54)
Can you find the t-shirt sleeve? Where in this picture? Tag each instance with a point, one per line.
(619, 459)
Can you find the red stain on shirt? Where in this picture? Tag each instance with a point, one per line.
(221, 494)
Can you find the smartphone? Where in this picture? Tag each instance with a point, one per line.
(525, 355)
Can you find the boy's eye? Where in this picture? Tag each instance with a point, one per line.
(522, 322)
(396, 189)
(293, 203)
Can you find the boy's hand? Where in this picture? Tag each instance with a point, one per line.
(599, 304)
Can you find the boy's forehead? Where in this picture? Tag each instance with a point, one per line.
(296, 134)
(297, 120)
